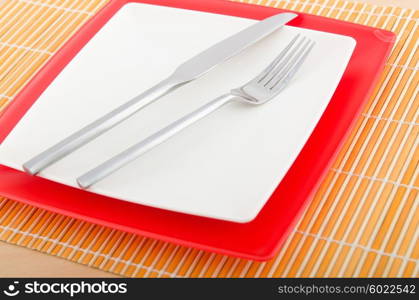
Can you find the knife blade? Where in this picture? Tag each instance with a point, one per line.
(231, 46)
(186, 72)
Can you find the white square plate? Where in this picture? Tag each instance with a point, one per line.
(225, 166)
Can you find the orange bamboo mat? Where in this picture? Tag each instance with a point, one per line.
(363, 220)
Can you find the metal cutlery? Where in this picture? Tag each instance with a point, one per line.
(188, 71)
(265, 86)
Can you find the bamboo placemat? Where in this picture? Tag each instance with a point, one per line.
(363, 220)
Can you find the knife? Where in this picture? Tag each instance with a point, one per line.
(186, 72)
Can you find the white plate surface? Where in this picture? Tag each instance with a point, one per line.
(227, 165)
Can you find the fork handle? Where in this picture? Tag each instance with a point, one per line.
(98, 127)
(150, 142)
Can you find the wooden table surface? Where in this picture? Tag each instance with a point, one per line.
(16, 261)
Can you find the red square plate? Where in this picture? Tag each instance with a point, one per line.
(259, 239)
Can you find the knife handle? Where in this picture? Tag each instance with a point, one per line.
(98, 127)
(152, 141)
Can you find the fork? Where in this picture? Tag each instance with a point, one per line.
(264, 87)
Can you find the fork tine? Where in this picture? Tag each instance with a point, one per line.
(277, 59)
(299, 62)
(274, 73)
(282, 83)
(292, 63)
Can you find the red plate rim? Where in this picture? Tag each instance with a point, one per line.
(259, 239)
